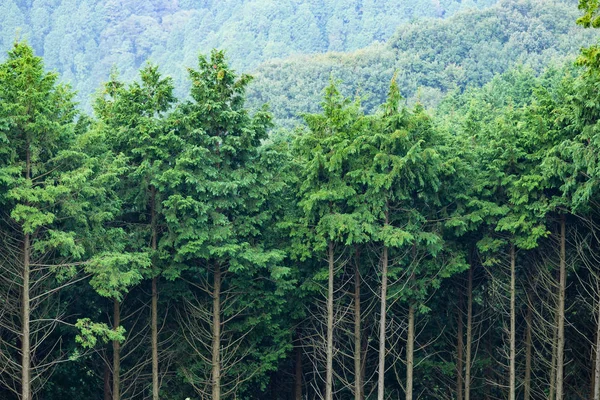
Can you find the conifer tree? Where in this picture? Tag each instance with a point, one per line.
(54, 198)
(215, 211)
(134, 119)
(329, 221)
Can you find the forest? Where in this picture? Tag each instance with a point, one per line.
(84, 39)
(433, 236)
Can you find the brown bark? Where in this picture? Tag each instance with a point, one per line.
(513, 355)
(116, 392)
(410, 347)
(358, 386)
(528, 347)
(329, 367)
(154, 312)
(469, 334)
(298, 380)
(597, 362)
(383, 311)
(26, 305)
(552, 389)
(459, 349)
(560, 351)
(216, 335)
(25, 333)
(489, 350)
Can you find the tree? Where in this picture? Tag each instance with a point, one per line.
(218, 201)
(54, 198)
(135, 120)
(329, 222)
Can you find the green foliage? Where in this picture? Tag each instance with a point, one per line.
(430, 57)
(219, 218)
(84, 39)
(590, 18)
(489, 168)
(90, 332)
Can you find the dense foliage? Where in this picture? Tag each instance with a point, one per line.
(84, 39)
(429, 57)
(167, 248)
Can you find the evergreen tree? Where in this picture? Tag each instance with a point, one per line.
(218, 203)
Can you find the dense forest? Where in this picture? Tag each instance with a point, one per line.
(436, 239)
(84, 39)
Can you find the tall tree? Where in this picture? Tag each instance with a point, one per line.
(55, 198)
(135, 120)
(329, 221)
(217, 206)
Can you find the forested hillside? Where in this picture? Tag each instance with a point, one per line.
(84, 39)
(429, 57)
(178, 242)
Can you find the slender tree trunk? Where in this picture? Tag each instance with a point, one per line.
(488, 347)
(410, 348)
(26, 305)
(107, 395)
(329, 371)
(298, 380)
(358, 386)
(116, 392)
(597, 363)
(155, 381)
(528, 347)
(363, 369)
(552, 390)
(560, 351)
(469, 334)
(26, 316)
(513, 353)
(383, 311)
(216, 335)
(459, 348)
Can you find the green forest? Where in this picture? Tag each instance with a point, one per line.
(84, 39)
(403, 206)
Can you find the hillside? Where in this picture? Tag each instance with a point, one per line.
(84, 39)
(430, 57)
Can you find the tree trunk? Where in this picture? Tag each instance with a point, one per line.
(560, 351)
(513, 355)
(597, 366)
(552, 389)
(116, 392)
(155, 381)
(459, 349)
(487, 395)
(358, 386)
(410, 348)
(383, 311)
(469, 334)
(298, 381)
(528, 346)
(329, 370)
(216, 335)
(26, 304)
(107, 395)
(26, 316)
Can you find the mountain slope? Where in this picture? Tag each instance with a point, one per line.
(430, 57)
(84, 39)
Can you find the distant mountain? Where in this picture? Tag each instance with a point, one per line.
(84, 39)
(430, 57)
